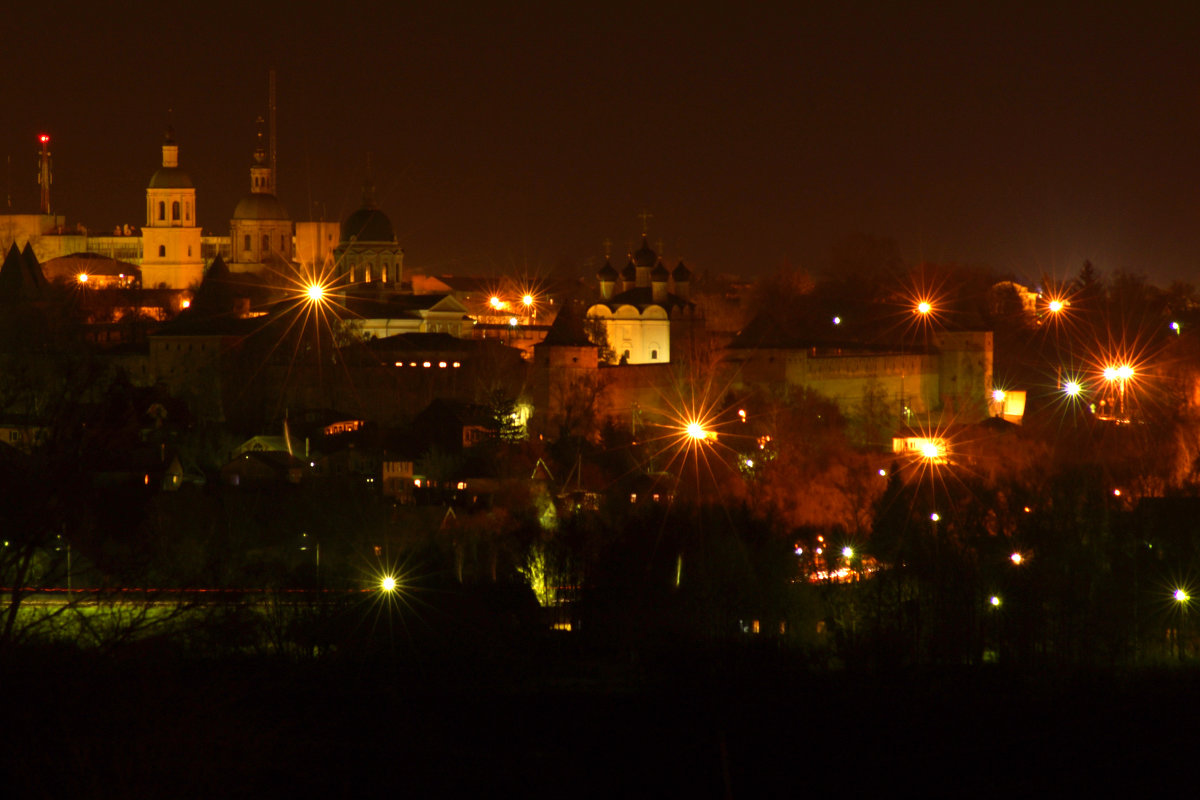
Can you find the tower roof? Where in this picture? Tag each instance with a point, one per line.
(368, 224)
(169, 175)
(259, 205)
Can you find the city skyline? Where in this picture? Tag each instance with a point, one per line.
(500, 141)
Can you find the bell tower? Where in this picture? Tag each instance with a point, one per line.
(171, 238)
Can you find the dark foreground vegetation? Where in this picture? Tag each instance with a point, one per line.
(554, 717)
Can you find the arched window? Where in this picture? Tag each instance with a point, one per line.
(189, 251)
(266, 244)
(187, 212)
(162, 251)
(246, 243)
(175, 211)
(383, 273)
(162, 210)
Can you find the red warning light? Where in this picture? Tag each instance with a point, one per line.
(44, 138)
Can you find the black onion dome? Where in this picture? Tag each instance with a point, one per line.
(630, 271)
(659, 273)
(607, 272)
(681, 273)
(645, 257)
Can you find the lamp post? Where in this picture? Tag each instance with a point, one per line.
(1181, 599)
(1119, 375)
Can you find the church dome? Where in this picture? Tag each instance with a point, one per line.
(607, 272)
(368, 225)
(681, 273)
(171, 178)
(659, 273)
(645, 257)
(260, 205)
(630, 271)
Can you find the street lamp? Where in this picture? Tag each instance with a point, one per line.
(1120, 374)
(1181, 598)
(388, 584)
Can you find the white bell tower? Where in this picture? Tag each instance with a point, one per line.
(171, 238)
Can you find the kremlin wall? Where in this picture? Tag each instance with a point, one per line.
(626, 339)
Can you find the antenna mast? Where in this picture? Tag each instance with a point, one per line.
(44, 177)
(274, 170)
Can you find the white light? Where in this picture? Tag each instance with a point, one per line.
(935, 516)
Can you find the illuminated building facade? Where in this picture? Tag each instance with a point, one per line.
(637, 309)
(369, 256)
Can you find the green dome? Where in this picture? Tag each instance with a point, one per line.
(171, 178)
(260, 205)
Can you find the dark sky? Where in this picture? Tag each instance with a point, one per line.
(517, 139)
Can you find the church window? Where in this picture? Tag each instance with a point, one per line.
(266, 243)
(654, 355)
(162, 251)
(162, 210)
(187, 211)
(383, 273)
(367, 273)
(189, 251)
(246, 243)
(175, 211)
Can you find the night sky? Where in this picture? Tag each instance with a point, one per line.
(517, 139)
